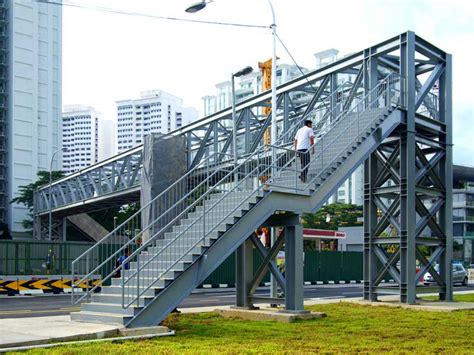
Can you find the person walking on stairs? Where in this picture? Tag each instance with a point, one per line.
(304, 140)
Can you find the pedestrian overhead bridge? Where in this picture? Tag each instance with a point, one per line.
(387, 107)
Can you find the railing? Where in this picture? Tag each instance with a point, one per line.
(113, 175)
(330, 147)
(131, 234)
(430, 106)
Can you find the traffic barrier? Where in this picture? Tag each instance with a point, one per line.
(38, 285)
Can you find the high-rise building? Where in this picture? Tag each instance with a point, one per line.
(30, 99)
(156, 111)
(249, 85)
(86, 136)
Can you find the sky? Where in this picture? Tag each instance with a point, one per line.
(109, 57)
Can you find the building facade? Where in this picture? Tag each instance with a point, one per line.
(463, 212)
(87, 137)
(245, 87)
(155, 111)
(30, 103)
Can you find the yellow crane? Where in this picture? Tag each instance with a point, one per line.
(266, 69)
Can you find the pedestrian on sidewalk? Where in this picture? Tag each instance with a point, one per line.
(304, 140)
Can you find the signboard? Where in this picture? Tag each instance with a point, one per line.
(309, 233)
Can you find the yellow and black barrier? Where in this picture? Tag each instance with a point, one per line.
(36, 285)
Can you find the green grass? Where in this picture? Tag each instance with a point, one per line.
(347, 328)
(468, 297)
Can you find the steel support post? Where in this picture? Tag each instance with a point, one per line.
(446, 175)
(294, 269)
(370, 222)
(273, 284)
(243, 274)
(407, 173)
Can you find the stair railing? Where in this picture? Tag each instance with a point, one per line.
(328, 147)
(101, 258)
(157, 265)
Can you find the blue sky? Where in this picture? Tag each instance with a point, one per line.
(108, 57)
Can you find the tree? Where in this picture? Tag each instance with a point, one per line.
(26, 192)
(333, 216)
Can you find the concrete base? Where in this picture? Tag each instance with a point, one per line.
(421, 305)
(128, 332)
(268, 315)
(44, 330)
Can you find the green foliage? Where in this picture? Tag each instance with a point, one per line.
(106, 217)
(340, 215)
(26, 192)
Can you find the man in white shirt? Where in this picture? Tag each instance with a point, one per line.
(304, 140)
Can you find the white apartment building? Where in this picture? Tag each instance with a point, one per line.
(86, 136)
(245, 87)
(156, 111)
(30, 108)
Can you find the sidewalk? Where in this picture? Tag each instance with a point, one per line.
(41, 330)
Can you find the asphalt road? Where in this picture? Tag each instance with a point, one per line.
(52, 305)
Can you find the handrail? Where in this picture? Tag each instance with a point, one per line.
(172, 242)
(128, 243)
(362, 102)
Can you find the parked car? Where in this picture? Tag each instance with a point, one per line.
(460, 275)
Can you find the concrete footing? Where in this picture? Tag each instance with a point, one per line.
(268, 315)
(130, 332)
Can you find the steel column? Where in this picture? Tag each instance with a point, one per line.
(243, 274)
(294, 268)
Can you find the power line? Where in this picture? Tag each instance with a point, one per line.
(140, 14)
(294, 61)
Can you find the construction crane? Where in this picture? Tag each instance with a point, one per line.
(266, 69)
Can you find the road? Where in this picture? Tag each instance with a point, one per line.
(52, 305)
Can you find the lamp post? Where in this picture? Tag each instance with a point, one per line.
(50, 224)
(273, 133)
(201, 5)
(242, 72)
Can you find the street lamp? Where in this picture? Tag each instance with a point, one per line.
(242, 72)
(50, 225)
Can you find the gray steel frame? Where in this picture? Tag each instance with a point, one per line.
(291, 283)
(408, 180)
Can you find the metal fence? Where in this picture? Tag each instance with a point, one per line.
(319, 266)
(29, 258)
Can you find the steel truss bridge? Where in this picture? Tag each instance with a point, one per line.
(407, 157)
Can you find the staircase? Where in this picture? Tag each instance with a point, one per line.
(196, 229)
(89, 226)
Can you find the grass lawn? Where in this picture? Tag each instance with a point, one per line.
(468, 297)
(347, 328)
